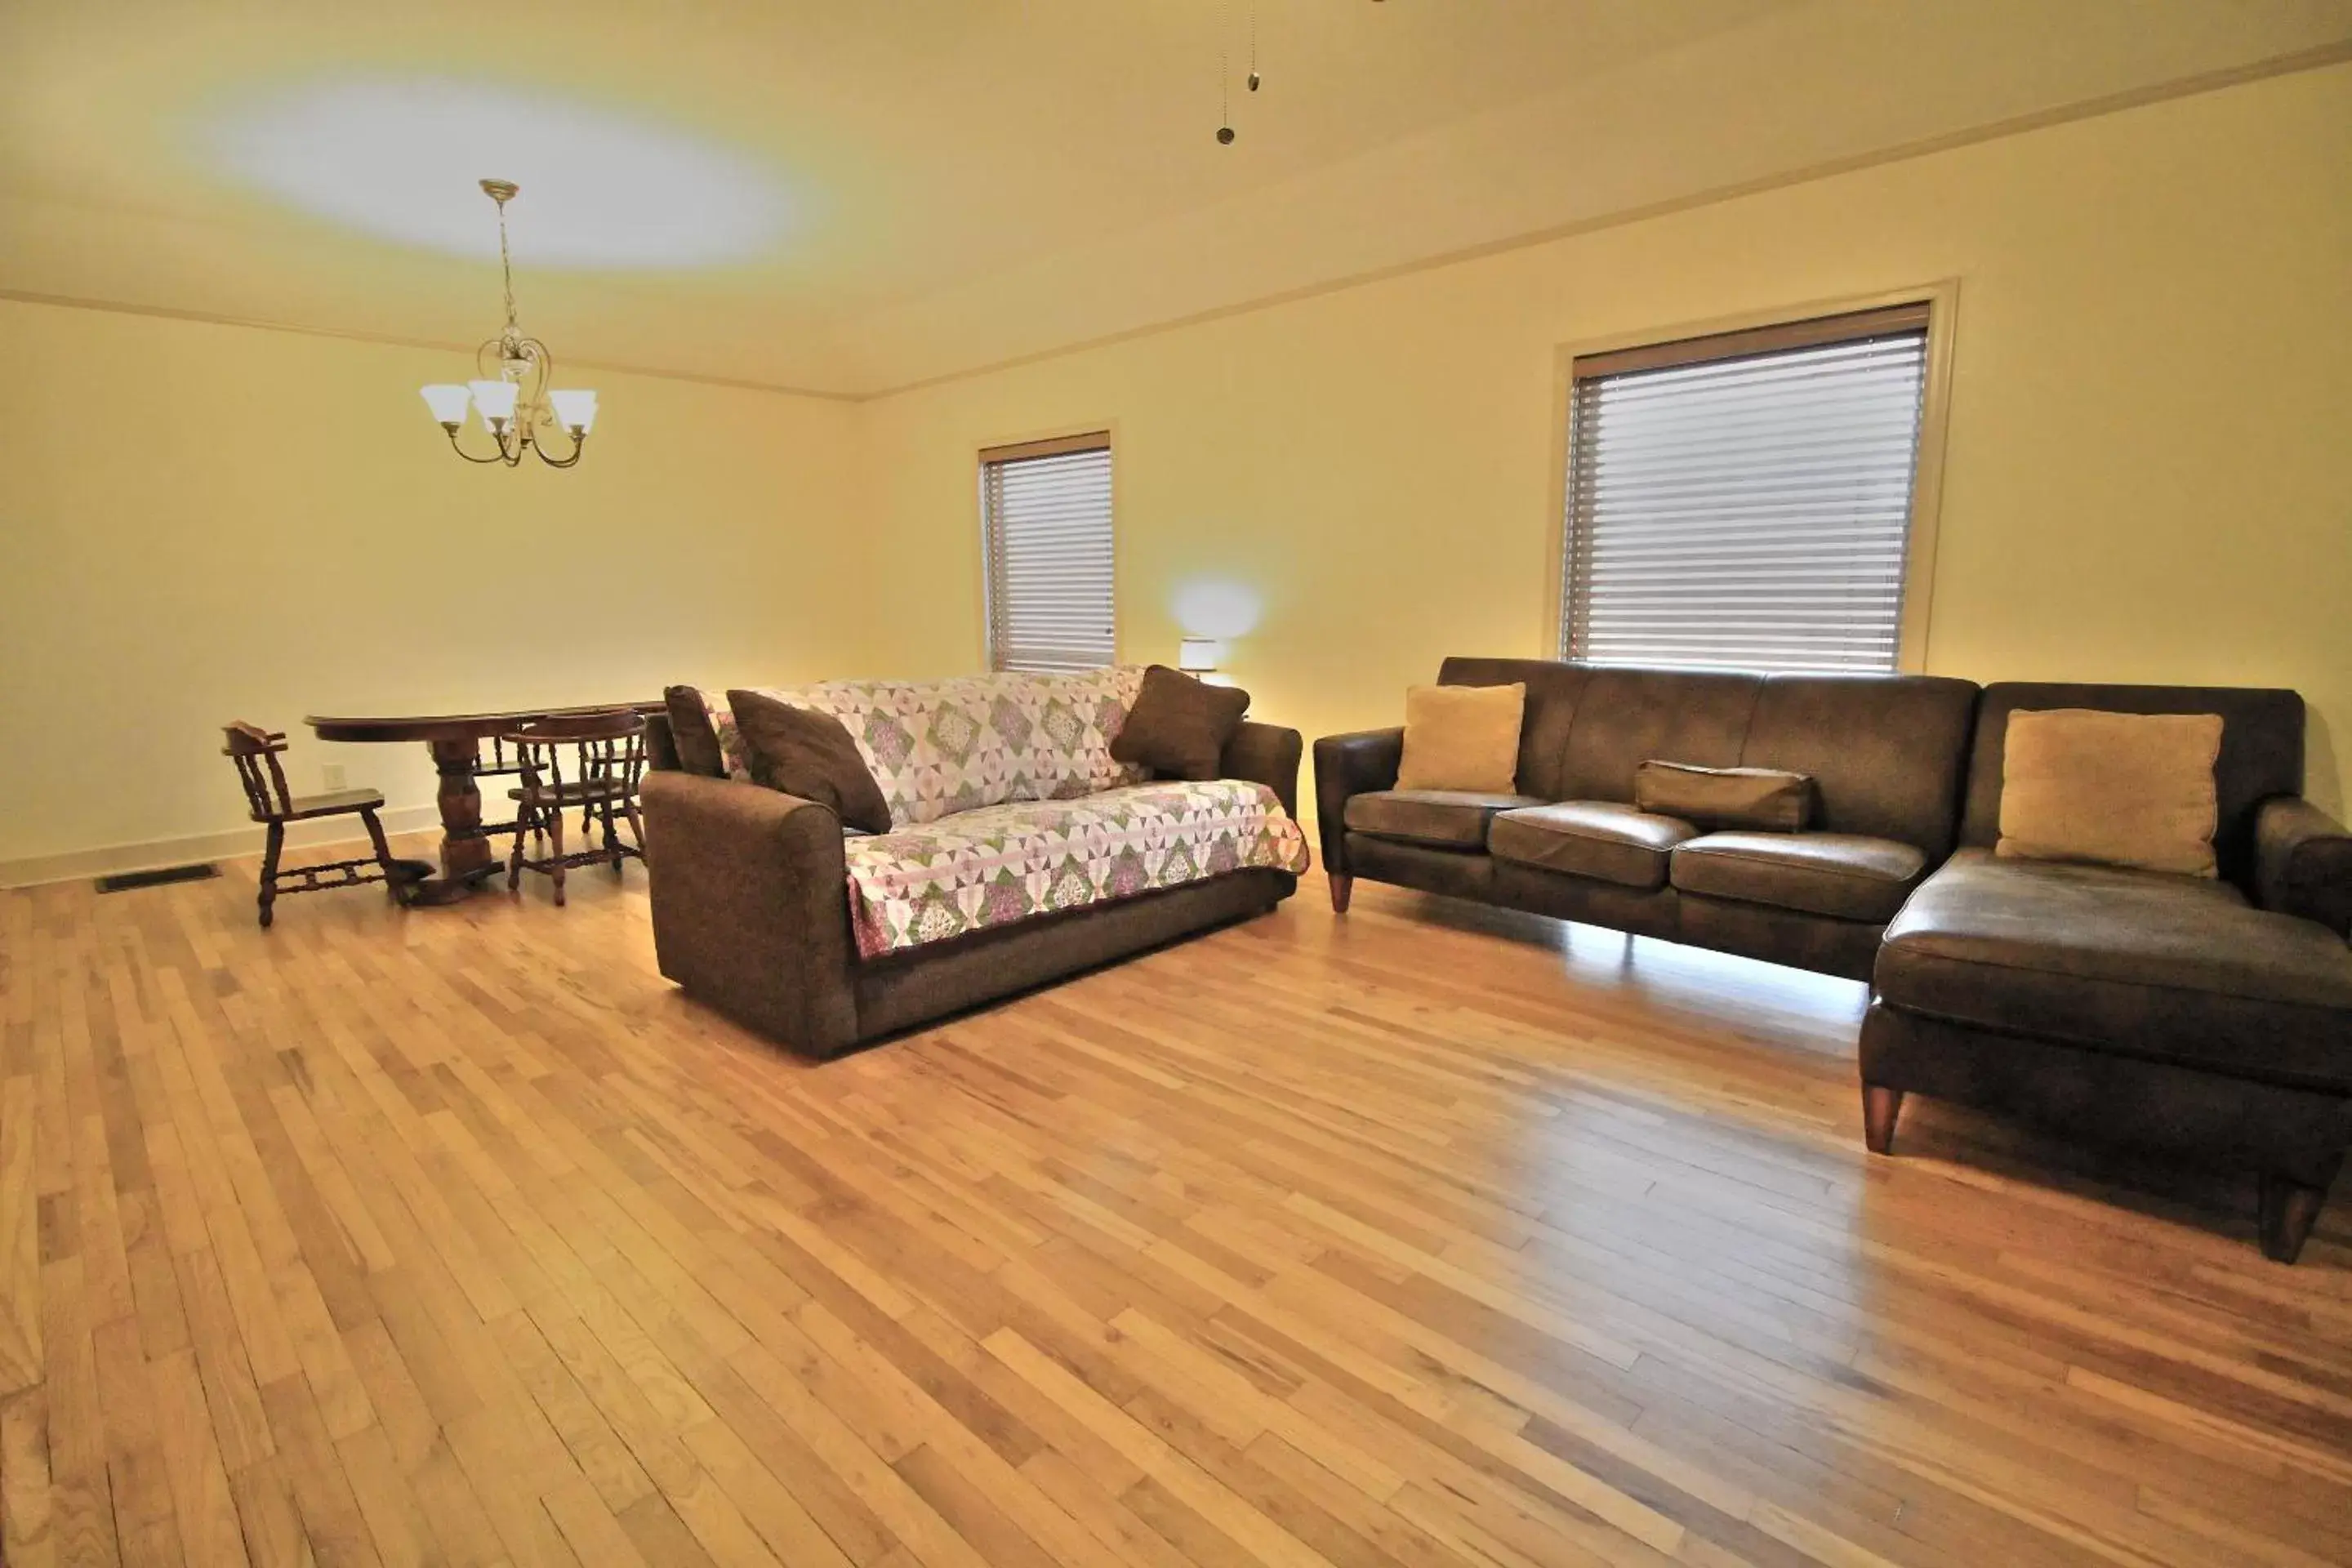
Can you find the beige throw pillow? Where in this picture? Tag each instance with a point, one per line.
(2120, 789)
(1462, 738)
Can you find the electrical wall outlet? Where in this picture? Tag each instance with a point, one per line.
(332, 775)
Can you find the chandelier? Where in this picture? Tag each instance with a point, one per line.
(511, 393)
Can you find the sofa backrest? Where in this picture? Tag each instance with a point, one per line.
(937, 747)
(2262, 751)
(1886, 752)
(1555, 690)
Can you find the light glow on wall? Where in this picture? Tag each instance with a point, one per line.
(398, 157)
(1213, 608)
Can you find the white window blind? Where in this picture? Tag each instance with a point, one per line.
(1744, 501)
(1045, 514)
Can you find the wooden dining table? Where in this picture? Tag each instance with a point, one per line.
(455, 740)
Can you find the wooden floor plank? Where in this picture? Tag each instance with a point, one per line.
(1427, 1236)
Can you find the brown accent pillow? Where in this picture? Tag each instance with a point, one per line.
(810, 755)
(691, 733)
(1772, 799)
(1462, 738)
(2119, 789)
(1179, 726)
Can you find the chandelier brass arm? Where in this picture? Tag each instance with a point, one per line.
(510, 449)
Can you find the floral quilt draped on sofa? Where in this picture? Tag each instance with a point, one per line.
(1006, 804)
(1005, 863)
(937, 747)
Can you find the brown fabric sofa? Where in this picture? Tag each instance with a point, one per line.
(2208, 1018)
(2211, 1018)
(1885, 755)
(751, 915)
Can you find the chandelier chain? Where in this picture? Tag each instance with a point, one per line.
(506, 267)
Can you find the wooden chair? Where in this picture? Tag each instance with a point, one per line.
(255, 751)
(608, 761)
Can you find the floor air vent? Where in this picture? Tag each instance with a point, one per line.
(126, 880)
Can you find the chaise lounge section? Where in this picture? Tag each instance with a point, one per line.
(2204, 1017)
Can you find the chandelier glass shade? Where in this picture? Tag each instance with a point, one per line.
(509, 391)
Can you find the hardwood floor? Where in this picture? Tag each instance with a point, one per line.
(1416, 1237)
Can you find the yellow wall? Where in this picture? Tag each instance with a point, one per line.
(201, 523)
(2149, 465)
(2148, 476)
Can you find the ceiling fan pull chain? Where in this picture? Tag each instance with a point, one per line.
(1225, 78)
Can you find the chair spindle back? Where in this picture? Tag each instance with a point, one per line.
(255, 752)
(604, 746)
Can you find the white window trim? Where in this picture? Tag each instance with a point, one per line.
(1942, 299)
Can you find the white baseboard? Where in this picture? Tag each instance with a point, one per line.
(229, 844)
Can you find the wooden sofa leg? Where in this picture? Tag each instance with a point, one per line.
(1342, 886)
(1880, 1107)
(2288, 1212)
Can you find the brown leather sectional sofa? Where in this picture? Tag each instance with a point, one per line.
(2208, 1017)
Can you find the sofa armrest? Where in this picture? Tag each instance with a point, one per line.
(751, 905)
(1266, 754)
(2303, 862)
(661, 746)
(1347, 765)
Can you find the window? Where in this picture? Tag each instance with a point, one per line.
(1044, 510)
(1745, 501)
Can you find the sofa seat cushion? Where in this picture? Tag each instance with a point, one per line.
(1600, 839)
(1846, 876)
(1002, 864)
(2147, 964)
(1447, 818)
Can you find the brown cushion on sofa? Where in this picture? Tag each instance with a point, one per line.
(1772, 799)
(1179, 726)
(1462, 738)
(1602, 838)
(691, 733)
(1845, 875)
(1448, 818)
(2142, 963)
(2117, 789)
(810, 755)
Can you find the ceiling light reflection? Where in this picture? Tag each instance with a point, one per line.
(398, 158)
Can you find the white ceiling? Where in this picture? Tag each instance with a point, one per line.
(848, 198)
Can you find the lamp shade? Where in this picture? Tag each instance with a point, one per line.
(447, 403)
(495, 399)
(575, 409)
(1196, 654)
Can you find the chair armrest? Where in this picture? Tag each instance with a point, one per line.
(2303, 862)
(1266, 754)
(1347, 765)
(751, 905)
